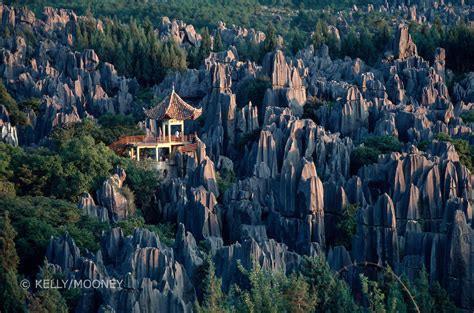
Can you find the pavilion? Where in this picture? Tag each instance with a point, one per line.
(169, 116)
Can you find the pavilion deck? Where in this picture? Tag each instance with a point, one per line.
(184, 143)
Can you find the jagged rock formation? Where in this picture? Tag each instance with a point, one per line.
(71, 85)
(89, 208)
(153, 277)
(299, 183)
(112, 198)
(403, 46)
(8, 132)
(235, 33)
(179, 32)
(287, 84)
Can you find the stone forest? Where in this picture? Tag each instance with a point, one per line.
(236, 156)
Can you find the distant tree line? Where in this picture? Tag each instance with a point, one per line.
(134, 49)
(133, 46)
(458, 40)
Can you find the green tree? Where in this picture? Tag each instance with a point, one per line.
(319, 35)
(346, 228)
(214, 299)
(86, 164)
(373, 146)
(17, 117)
(329, 291)
(468, 117)
(395, 300)
(271, 40)
(218, 43)
(48, 299)
(35, 220)
(206, 44)
(422, 292)
(333, 44)
(264, 286)
(361, 156)
(253, 90)
(382, 35)
(442, 303)
(384, 144)
(298, 41)
(297, 295)
(12, 297)
(464, 150)
(350, 45)
(145, 184)
(374, 295)
(366, 49)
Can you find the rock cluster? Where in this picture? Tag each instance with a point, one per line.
(295, 182)
(232, 35)
(179, 32)
(70, 85)
(152, 277)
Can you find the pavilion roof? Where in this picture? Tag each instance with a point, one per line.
(173, 107)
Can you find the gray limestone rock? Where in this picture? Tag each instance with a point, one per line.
(200, 215)
(63, 252)
(111, 197)
(403, 46)
(88, 207)
(8, 132)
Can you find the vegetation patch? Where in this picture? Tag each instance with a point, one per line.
(368, 152)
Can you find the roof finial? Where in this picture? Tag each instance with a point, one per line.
(172, 88)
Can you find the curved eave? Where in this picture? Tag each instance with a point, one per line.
(197, 113)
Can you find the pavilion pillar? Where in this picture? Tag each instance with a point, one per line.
(169, 131)
(156, 153)
(138, 153)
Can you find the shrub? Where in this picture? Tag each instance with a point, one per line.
(225, 179)
(31, 103)
(245, 138)
(468, 117)
(165, 231)
(36, 219)
(464, 150)
(86, 233)
(130, 196)
(17, 117)
(373, 146)
(145, 184)
(346, 228)
(253, 91)
(362, 156)
(384, 144)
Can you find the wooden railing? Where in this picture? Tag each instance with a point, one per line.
(144, 140)
(188, 148)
